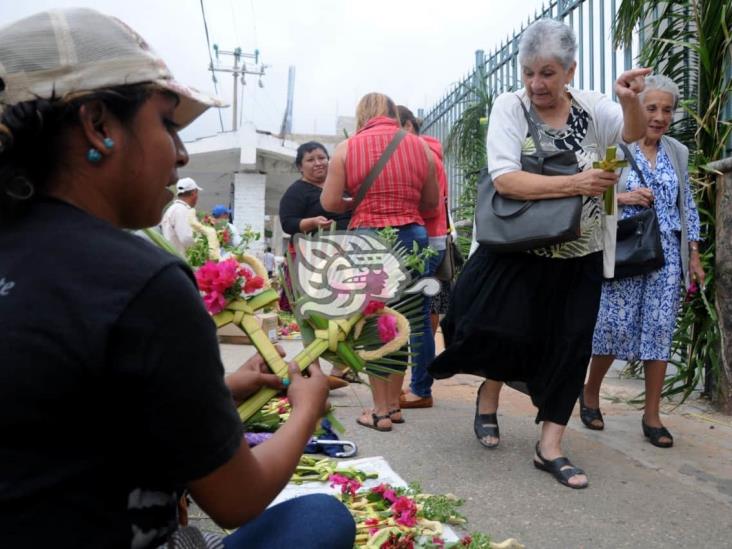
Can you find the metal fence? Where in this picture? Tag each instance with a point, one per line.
(598, 65)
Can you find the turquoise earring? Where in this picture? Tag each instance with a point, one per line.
(108, 142)
(93, 156)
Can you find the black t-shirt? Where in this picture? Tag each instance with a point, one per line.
(111, 385)
(302, 200)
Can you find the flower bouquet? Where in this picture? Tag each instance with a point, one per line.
(389, 517)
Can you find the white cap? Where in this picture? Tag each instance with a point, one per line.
(75, 50)
(187, 184)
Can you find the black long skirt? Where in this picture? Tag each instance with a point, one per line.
(524, 318)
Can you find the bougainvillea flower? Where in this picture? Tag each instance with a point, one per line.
(405, 511)
(387, 328)
(373, 307)
(385, 492)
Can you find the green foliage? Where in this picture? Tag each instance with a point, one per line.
(247, 237)
(414, 259)
(466, 144)
(197, 254)
(690, 44)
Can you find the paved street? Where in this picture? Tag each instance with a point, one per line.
(639, 495)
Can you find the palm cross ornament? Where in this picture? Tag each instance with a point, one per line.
(610, 163)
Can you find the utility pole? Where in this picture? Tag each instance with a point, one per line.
(287, 118)
(238, 71)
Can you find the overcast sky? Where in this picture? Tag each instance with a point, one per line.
(409, 49)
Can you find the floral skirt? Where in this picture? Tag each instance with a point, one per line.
(524, 318)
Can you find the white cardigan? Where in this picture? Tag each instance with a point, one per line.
(507, 130)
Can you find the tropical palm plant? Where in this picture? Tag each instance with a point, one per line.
(690, 42)
(466, 145)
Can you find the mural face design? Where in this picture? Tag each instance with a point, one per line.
(341, 272)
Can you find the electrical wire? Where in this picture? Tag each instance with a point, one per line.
(210, 57)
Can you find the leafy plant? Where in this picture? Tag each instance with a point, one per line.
(690, 43)
(466, 144)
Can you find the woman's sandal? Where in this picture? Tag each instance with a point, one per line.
(655, 434)
(588, 415)
(375, 422)
(393, 412)
(485, 425)
(560, 468)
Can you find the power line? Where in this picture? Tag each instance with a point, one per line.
(210, 58)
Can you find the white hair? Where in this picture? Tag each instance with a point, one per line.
(659, 82)
(548, 38)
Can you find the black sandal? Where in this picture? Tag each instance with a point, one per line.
(655, 434)
(375, 425)
(396, 411)
(560, 468)
(485, 425)
(588, 415)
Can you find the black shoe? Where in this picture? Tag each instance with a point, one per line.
(588, 415)
(561, 469)
(485, 425)
(655, 434)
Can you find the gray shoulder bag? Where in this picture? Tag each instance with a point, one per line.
(507, 225)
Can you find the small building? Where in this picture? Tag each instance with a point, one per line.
(248, 170)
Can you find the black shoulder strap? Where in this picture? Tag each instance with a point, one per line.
(376, 170)
(630, 158)
(532, 127)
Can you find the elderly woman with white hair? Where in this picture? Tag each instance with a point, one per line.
(638, 314)
(528, 316)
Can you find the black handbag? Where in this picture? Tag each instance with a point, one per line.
(452, 261)
(638, 249)
(506, 225)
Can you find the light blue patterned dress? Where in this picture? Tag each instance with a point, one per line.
(638, 314)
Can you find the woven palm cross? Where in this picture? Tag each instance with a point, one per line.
(610, 163)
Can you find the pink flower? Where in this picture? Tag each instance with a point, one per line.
(372, 524)
(253, 284)
(348, 486)
(405, 511)
(373, 307)
(385, 492)
(215, 302)
(466, 540)
(387, 328)
(438, 541)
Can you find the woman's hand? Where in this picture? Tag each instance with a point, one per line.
(308, 394)
(695, 266)
(593, 182)
(639, 197)
(309, 224)
(631, 83)
(252, 376)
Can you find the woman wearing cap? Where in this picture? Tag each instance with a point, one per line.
(113, 396)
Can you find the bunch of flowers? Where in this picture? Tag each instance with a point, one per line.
(220, 283)
(389, 517)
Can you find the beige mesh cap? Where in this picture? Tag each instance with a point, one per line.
(67, 51)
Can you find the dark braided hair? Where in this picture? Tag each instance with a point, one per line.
(32, 140)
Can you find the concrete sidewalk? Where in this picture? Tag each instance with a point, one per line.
(639, 495)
